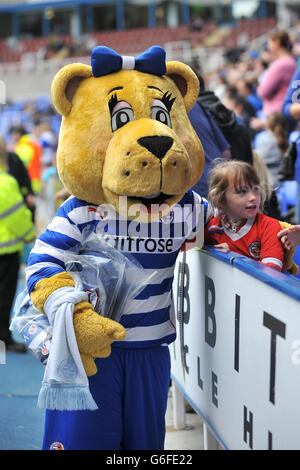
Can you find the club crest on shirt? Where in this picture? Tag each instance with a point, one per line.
(169, 218)
(254, 250)
(57, 446)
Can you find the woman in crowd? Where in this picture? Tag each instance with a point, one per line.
(274, 85)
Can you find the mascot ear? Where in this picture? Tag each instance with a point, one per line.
(65, 84)
(185, 80)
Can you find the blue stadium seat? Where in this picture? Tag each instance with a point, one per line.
(287, 195)
(296, 259)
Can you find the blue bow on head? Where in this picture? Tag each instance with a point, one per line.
(105, 61)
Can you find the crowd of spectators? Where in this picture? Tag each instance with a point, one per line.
(254, 88)
(244, 112)
(250, 90)
(30, 129)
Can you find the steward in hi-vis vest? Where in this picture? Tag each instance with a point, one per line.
(30, 152)
(16, 227)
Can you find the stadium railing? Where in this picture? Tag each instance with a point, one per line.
(236, 358)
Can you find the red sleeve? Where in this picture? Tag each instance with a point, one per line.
(272, 252)
(208, 237)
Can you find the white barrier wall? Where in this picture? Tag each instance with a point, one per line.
(237, 354)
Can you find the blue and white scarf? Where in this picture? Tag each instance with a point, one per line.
(65, 384)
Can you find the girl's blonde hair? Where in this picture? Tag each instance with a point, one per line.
(264, 174)
(240, 173)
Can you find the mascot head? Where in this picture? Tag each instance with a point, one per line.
(125, 133)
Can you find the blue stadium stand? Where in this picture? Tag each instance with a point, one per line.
(22, 422)
(287, 195)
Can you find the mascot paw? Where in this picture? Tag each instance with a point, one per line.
(94, 335)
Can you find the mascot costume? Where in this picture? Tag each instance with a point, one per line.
(127, 152)
(128, 155)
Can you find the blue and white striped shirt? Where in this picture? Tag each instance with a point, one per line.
(149, 317)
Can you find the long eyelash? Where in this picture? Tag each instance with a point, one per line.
(112, 102)
(167, 101)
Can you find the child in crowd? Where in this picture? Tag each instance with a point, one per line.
(236, 194)
(273, 144)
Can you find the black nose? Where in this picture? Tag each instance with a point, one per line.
(157, 144)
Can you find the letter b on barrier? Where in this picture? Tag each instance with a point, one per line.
(2, 352)
(183, 298)
(210, 319)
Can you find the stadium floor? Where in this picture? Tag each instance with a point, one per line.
(22, 422)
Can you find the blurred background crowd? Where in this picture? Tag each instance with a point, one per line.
(246, 54)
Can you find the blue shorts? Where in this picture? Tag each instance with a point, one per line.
(131, 391)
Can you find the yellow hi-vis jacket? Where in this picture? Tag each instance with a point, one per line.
(30, 153)
(16, 226)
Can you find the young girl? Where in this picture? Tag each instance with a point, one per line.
(235, 192)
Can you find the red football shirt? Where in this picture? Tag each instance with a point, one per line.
(257, 239)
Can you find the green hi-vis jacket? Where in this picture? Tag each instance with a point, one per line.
(16, 226)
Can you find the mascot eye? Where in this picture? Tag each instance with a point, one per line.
(121, 115)
(160, 113)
